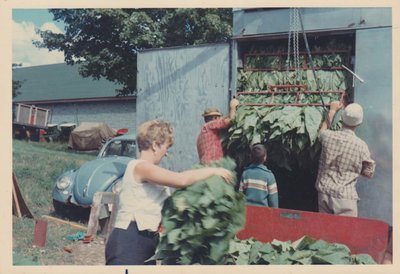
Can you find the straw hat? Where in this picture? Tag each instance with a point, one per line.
(211, 112)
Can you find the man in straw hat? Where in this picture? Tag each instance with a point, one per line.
(209, 145)
(343, 158)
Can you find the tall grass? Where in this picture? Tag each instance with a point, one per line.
(37, 166)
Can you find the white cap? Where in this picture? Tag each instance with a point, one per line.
(352, 115)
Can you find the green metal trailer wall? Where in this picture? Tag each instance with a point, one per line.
(256, 22)
(372, 61)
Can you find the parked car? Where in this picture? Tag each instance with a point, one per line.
(76, 188)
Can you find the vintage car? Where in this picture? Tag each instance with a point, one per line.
(76, 188)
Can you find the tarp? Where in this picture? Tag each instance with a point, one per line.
(89, 136)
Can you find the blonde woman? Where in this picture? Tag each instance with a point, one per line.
(144, 190)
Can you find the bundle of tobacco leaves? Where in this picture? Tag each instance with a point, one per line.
(304, 251)
(289, 132)
(199, 221)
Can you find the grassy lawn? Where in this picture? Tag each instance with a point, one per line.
(37, 166)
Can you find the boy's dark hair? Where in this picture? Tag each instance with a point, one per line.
(258, 152)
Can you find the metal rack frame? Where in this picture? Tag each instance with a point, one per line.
(297, 94)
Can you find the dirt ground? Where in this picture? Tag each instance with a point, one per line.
(87, 253)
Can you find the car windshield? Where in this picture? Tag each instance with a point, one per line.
(120, 148)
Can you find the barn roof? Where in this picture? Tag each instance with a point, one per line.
(60, 83)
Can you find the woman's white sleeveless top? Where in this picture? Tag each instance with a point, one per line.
(140, 201)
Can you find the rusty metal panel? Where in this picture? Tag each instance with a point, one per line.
(177, 84)
(275, 21)
(373, 63)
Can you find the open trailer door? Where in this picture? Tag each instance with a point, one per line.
(177, 84)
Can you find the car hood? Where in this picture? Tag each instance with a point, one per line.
(97, 175)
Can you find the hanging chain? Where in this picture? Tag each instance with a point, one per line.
(296, 39)
(288, 61)
(294, 28)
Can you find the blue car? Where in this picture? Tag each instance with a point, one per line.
(76, 188)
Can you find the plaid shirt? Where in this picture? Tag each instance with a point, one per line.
(343, 158)
(209, 145)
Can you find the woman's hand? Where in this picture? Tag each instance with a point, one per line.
(225, 174)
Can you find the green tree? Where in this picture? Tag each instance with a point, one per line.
(105, 42)
(16, 84)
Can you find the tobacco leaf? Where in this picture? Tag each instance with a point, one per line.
(312, 118)
(289, 127)
(200, 220)
(305, 250)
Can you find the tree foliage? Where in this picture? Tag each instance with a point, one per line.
(16, 84)
(105, 42)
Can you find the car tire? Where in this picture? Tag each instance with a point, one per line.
(60, 209)
(71, 212)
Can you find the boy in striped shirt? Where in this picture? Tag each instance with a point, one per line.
(257, 182)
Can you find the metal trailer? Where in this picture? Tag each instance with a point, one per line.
(177, 84)
(29, 121)
(360, 235)
(372, 61)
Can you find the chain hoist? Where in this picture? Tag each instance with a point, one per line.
(293, 78)
(311, 61)
(294, 28)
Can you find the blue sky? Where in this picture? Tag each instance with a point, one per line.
(37, 16)
(25, 24)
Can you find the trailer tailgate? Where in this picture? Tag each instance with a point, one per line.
(361, 235)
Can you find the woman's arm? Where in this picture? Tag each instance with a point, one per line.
(153, 173)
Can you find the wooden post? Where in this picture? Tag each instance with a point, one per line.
(19, 204)
(18, 112)
(99, 199)
(46, 118)
(30, 115)
(35, 112)
(113, 216)
(39, 239)
(16, 202)
(71, 224)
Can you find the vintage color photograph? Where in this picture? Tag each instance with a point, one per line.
(202, 136)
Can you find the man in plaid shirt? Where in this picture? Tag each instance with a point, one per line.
(209, 145)
(343, 158)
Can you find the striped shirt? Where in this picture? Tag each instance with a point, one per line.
(259, 185)
(344, 157)
(209, 145)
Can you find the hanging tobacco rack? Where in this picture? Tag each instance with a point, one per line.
(346, 53)
(274, 90)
